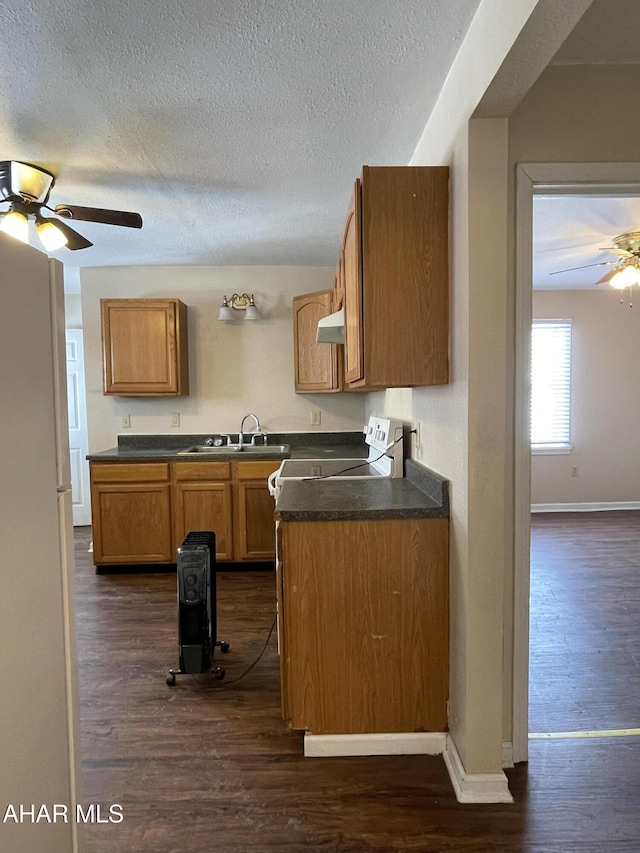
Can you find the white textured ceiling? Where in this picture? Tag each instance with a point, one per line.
(235, 128)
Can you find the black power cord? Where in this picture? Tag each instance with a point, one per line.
(360, 464)
(221, 685)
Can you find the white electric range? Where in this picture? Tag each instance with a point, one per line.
(385, 439)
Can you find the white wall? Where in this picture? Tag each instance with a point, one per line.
(234, 368)
(605, 405)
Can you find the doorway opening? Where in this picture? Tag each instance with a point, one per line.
(537, 179)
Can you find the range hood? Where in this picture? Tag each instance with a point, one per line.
(331, 328)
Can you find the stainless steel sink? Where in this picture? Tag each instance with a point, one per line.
(264, 448)
(245, 449)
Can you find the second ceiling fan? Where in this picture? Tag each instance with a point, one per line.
(625, 269)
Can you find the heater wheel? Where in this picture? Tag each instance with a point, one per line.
(170, 679)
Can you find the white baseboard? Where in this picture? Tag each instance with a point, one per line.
(475, 787)
(391, 743)
(468, 787)
(585, 507)
(507, 754)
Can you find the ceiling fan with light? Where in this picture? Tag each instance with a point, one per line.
(26, 189)
(626, 269)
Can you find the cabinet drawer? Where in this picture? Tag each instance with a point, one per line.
(122, 472)
(202, 470)
(257, 469)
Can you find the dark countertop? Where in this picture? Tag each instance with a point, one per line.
(165, 448)
(420, 494)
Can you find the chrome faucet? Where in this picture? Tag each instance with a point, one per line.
(257, 429)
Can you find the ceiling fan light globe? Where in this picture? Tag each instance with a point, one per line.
(51, 236)
(16, 225)
(626, 277)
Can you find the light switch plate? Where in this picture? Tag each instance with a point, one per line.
(316, 417)
(126, 422)
(175, 419)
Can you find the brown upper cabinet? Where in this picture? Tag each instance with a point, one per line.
(318, 367)
(144, 347)
(394, 278)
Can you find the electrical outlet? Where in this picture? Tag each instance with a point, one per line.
(574, 471)
(126, 422)
(316, 417)
(175, 419)
(416, 435)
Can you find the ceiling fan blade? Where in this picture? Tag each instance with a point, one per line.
(622, 252)
(75, 241)
(99, 214)
(572, 269)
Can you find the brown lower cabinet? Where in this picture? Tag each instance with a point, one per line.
(255, 530)
(363, 620)
(142, 511)
(202, 500)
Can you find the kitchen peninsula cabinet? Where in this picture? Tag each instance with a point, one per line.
(131, 513)
(363, 625)
(394, 278)
(318, 367)
(144, 347)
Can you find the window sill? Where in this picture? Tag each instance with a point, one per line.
(550, 449)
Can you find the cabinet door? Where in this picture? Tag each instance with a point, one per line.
(204, 506)
(144, 347)
(256, 525)
(255, 536)
(395, 646)
(351, 270)
(316, 365)
(131, 523)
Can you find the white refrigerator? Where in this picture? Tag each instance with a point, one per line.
(38, 704)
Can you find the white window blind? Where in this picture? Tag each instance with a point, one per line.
(550, 386)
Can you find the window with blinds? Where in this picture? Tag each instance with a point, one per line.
(551, 386)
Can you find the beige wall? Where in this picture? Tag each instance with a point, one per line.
(462, 424)
(605, 405)
(72, 311)
(577, 114)
(234, 368)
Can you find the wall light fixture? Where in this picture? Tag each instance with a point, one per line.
(238, 302)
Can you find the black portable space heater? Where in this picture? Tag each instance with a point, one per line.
(196, 581)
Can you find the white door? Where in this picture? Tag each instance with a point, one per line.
(78, 441)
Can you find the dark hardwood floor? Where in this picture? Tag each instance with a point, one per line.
(208, 766)
(584, 671)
